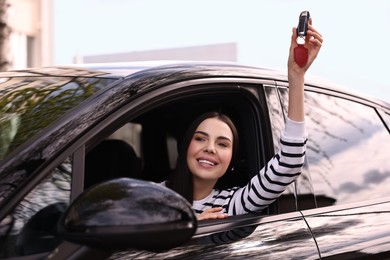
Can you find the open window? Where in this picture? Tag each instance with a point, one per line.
(154, 132)
(154, 128)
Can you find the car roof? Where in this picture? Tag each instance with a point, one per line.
(128, 68)
(219, 68)
(125, 69)
(156, 68)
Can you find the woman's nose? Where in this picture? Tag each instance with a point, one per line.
(210, 148)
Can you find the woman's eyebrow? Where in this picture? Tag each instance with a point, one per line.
(202, 133)
(219, 137)
(224, 138)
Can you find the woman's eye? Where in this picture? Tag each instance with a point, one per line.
(225, 145)
(198, 138)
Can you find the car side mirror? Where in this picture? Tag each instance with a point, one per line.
(128, 213)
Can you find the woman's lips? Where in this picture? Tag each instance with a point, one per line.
(206, 162)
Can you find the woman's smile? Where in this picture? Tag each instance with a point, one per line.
(207, 162)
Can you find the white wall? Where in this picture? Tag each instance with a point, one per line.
(31, 37)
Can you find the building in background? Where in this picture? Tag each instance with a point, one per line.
(30, 42)
(213, 52)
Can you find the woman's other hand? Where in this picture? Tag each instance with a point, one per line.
(212, 213)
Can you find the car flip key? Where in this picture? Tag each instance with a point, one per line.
(301, 53)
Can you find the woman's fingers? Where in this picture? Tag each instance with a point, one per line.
(314, 36)
(312, 29)
(213, 210)
(212, 213)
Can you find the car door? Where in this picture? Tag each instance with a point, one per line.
(250, 236)
(349, 169)
(160, 120)
(356, 174)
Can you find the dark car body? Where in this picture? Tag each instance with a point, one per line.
(70, 133)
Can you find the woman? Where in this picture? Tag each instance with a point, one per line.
(211, 142)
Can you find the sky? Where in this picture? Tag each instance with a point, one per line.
(355, 52)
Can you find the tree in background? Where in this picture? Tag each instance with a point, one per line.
(5, 31)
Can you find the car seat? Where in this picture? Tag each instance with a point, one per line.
(111, 159)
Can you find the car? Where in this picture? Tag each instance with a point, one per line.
(84, 148)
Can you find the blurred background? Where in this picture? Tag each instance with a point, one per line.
(356, 34)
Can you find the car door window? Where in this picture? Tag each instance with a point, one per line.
(31, 227)
(346, 150)
(155, 133)
(349, 147)
(277, 116)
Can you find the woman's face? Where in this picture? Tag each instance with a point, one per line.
(210, 150)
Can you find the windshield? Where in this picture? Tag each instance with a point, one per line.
(29, 104)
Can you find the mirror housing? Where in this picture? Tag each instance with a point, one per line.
(128, 213)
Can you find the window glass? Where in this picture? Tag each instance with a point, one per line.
(276, 113)
(347, 149)
(29, 104)
(31, 228)
(172, 151)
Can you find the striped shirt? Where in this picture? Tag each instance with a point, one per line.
(266, 186)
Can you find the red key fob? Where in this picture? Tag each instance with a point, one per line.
(301, 54)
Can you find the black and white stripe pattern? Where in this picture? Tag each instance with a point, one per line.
(264, 187)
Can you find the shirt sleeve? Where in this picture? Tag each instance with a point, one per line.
(294, 129)
(272, 180)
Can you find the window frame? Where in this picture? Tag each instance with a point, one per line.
(246, 87)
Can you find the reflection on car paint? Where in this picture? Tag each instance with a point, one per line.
(276, 240)
(352, 233)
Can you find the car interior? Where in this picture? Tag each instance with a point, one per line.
(146, 146)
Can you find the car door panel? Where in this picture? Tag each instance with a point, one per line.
(274, 237)
(352, 231)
